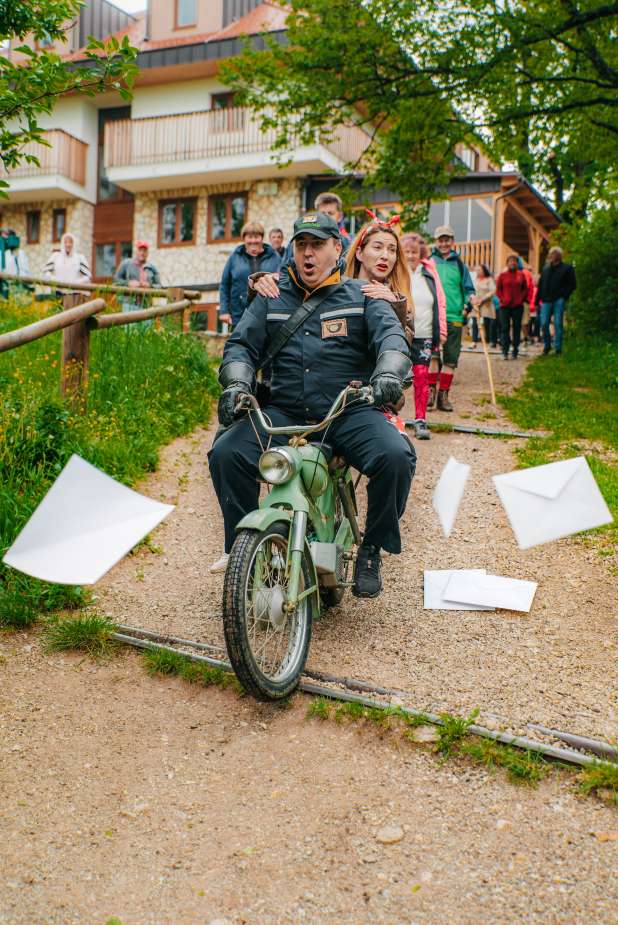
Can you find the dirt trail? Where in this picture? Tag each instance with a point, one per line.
(160, 803)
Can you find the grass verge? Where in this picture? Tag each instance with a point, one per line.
(145, 388)
(162, 661)
(454, 741)
(89, 633)
(575, 398)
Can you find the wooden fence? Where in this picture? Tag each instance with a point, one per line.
(80, 316)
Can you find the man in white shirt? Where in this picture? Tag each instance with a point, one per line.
(67, 265)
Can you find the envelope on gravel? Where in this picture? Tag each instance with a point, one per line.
(86, 522)
(548, 502)
(449, 492)
(436, 581)
(490, 591)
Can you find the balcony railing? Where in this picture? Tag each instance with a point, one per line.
(66, 156)
(196, 135)
(475, 252)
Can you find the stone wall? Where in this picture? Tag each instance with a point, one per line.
(203, 262)
(80, 218)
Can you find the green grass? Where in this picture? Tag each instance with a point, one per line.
(89, 633)
(162, 661)
(575, 399)
(600, 778)
(452, 731)
(145, 389)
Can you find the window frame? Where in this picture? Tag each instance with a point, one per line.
(29, 239)
(227, 239)
(118, 257)
(178, 201)
(56, 240)
(189, 25)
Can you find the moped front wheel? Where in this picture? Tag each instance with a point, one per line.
(267, 644)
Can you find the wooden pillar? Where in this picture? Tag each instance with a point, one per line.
(174, 295)
(498, 255)
(74, 356)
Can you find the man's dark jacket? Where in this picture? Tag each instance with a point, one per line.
(557, 282)
(339, 342)
(233, 288)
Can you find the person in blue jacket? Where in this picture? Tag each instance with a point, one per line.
(252, 256)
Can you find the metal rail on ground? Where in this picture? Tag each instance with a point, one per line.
(484, 431)
(147, 641)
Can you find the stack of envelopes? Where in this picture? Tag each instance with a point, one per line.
(474, 589)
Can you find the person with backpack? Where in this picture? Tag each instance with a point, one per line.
(458, 288)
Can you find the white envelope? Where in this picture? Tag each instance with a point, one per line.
(449, 492)
(491, 591)
(548, 502)
(86, 522)
(435, 583)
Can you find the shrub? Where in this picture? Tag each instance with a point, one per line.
(593, 248)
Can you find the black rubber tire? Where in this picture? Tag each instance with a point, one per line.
(253, 680)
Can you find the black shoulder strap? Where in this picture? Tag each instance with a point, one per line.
(295, 320)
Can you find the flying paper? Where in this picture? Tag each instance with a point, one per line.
(548, 502)
(435, 583)
(86, 523)
(490, 591)
(449, 492)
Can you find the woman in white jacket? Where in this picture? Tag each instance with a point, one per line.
(67, 265)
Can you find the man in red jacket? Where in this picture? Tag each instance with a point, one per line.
(512, 291)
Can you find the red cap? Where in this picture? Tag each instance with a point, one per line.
(142, 244)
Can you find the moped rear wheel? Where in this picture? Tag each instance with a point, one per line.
(267, 645)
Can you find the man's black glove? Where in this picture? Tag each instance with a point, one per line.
(237, 379)
(388, 376)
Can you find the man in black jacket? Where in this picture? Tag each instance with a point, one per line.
(347, 337)
(556, 285)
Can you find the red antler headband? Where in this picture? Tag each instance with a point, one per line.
(377, 223)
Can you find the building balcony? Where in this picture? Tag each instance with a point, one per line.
(60, 173)
(222, 145)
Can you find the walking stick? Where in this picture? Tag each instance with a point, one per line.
(488, 361)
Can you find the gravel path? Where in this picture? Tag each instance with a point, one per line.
(550, 666)
(160, 803)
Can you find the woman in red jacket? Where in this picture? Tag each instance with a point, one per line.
(512, 291)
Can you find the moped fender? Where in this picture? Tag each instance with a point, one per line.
(262, 519)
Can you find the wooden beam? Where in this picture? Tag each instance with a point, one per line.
(74, 355)
(145, 314)
(93, 287)
(45, 326)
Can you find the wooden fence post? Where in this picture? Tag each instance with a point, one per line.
(176, 295)
(75, 351)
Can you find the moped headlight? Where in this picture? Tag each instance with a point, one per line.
(277, 466)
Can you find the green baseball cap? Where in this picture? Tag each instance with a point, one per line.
(317, 224)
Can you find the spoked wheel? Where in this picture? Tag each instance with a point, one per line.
(267, 645)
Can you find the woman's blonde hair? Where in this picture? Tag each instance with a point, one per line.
(424, 247)
(399, 279)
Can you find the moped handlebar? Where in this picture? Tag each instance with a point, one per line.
(249, 403)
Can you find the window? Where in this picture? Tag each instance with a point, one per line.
(176, 222)
(186, 13)
(222, 100)
(59, 223)
(107, 257)
(226, 216)
(33, 226)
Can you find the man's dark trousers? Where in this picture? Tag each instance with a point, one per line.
(363, 436)
(506, 316)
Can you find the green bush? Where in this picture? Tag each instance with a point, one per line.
(593, 248)
(145, 388)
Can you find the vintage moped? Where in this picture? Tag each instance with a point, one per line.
(292, 557)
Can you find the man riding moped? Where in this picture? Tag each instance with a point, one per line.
(343, 337)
